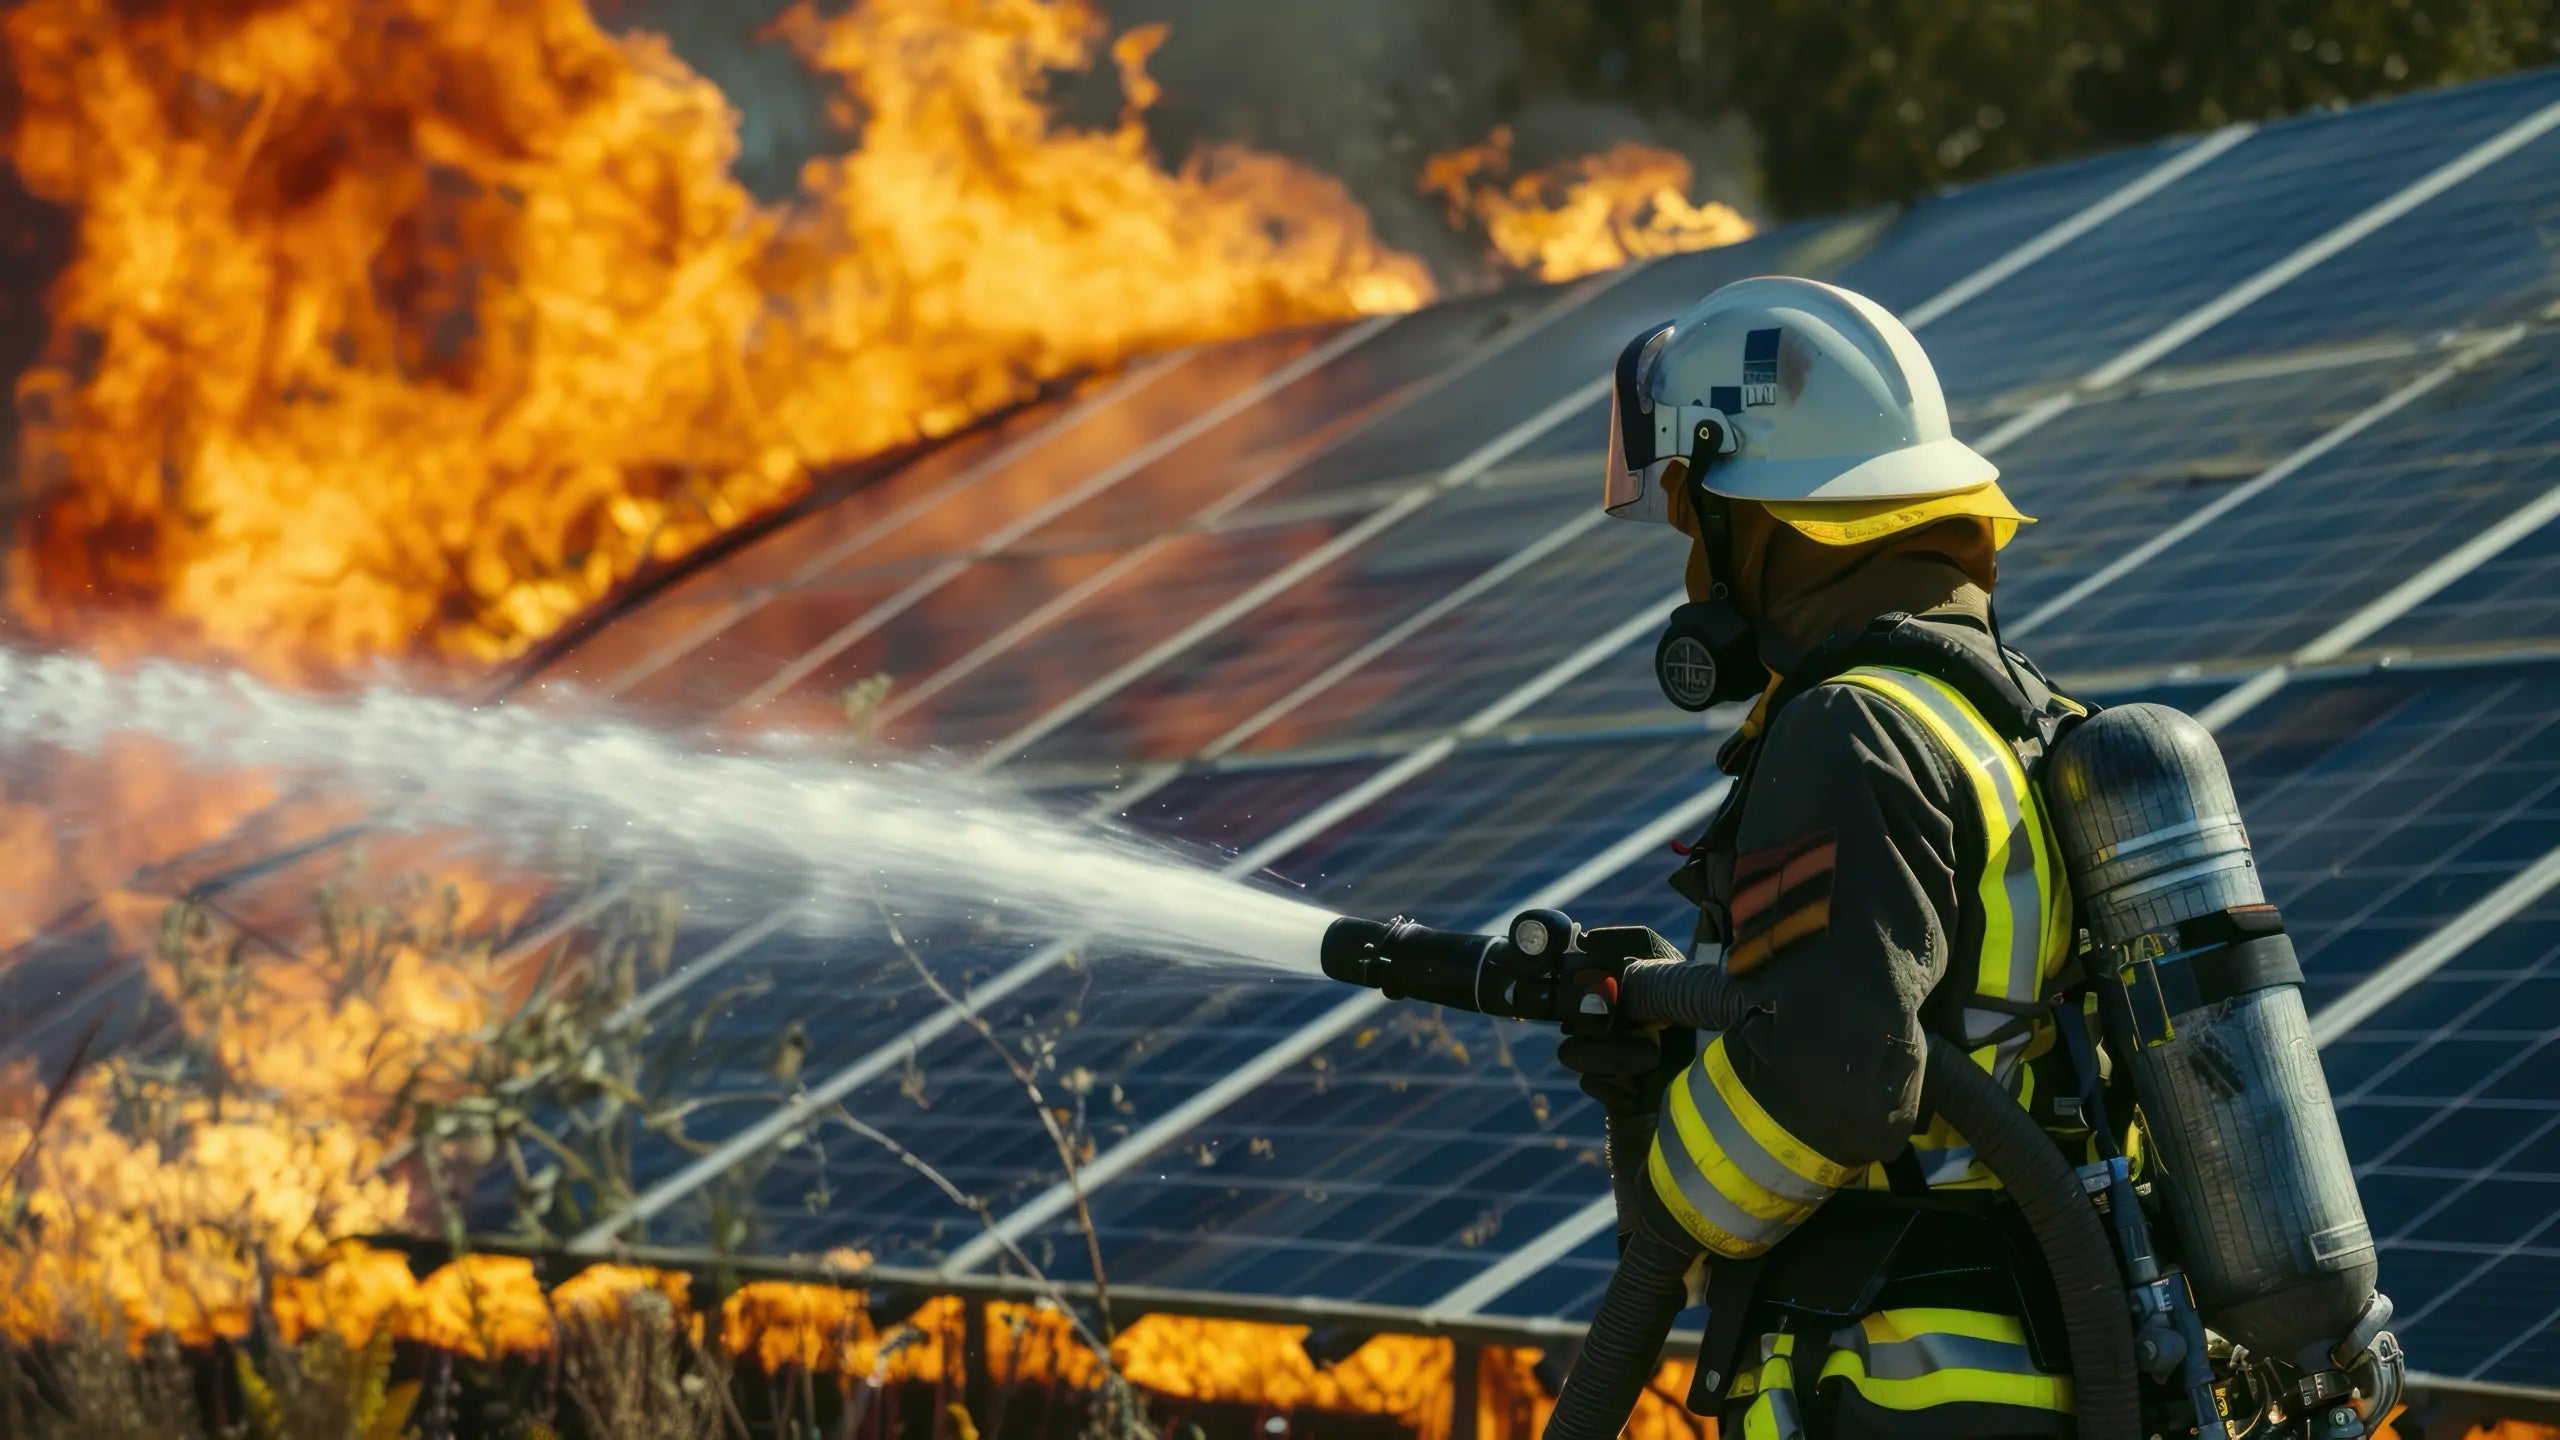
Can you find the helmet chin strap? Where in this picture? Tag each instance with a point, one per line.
(1713, 512)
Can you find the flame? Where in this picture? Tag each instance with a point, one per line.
(483, 1306)
(1404, 1377)
(158, 1202)
(78, 826)
(487, 1306)
(414, 327)
(354, 1290)
(1512, 1401)
(1628, 202)
(819, 1328)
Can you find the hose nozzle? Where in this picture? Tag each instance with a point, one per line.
(1514, 975)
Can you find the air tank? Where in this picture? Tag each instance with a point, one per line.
(2201, 998)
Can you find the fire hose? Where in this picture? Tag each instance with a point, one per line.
(1523, 975)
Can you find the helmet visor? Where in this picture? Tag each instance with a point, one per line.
(1632, 485)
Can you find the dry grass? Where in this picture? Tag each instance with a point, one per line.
(642, 1375)
(94, 1386)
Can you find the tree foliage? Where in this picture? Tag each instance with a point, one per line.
(1857, 101)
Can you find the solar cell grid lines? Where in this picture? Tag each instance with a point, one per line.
(2382, 805)
(2248, 208)
(2185, 301)
(2410, 283)
(2275, 572)
(2452, 1108)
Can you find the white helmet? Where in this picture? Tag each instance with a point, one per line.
(1805, 397)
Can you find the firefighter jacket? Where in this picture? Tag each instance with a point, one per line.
(1882, 868)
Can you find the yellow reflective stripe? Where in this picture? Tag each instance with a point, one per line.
(2029, 857)
(1772, 1417)
(1885, 1327)
(2015, 877)
(1807, 1163)
(1953, 1387)
(1901, 686)
(2051, 898)
(1722, 1238)
(1911, 1359)
(1720, 1158)
(1773, 1414)
(1731, 1174)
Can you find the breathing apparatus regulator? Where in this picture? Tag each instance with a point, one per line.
(1794, 394)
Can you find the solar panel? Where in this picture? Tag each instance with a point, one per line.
(2478, 258)
(1192, 699)
(2451, 1105)
(2511, 599)
(1942, 239)
(1364, 385)
(2248, 208)
(1495, 818)
(2383, 804)
(663, 630)
(1505, 639)
(1187, 576)
(2278, 571)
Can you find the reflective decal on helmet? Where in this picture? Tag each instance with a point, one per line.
(1760, 367)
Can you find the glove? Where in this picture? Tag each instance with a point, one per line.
(1625, 1067)
(1628, 1069)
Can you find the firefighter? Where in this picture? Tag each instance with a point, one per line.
(1882, 868)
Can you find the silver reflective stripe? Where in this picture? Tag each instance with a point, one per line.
(1778, 1402)
(1945, 1167)
(1927, 1354)
(1746, 1153)
(1711, 1203)
(1783, 1412)
(1981, 1025)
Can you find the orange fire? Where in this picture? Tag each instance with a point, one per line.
(155, 1200)
(1628, 202)
(413, 327)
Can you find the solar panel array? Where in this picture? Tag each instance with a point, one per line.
(1338, 606)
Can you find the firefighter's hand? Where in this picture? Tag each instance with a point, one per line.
(1627, 1069)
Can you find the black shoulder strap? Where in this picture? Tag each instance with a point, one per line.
(1994, 693)
(1894, 640)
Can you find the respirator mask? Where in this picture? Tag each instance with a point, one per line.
(1708, 654)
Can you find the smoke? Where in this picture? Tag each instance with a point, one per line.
(782, 114)
(1363, 91)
